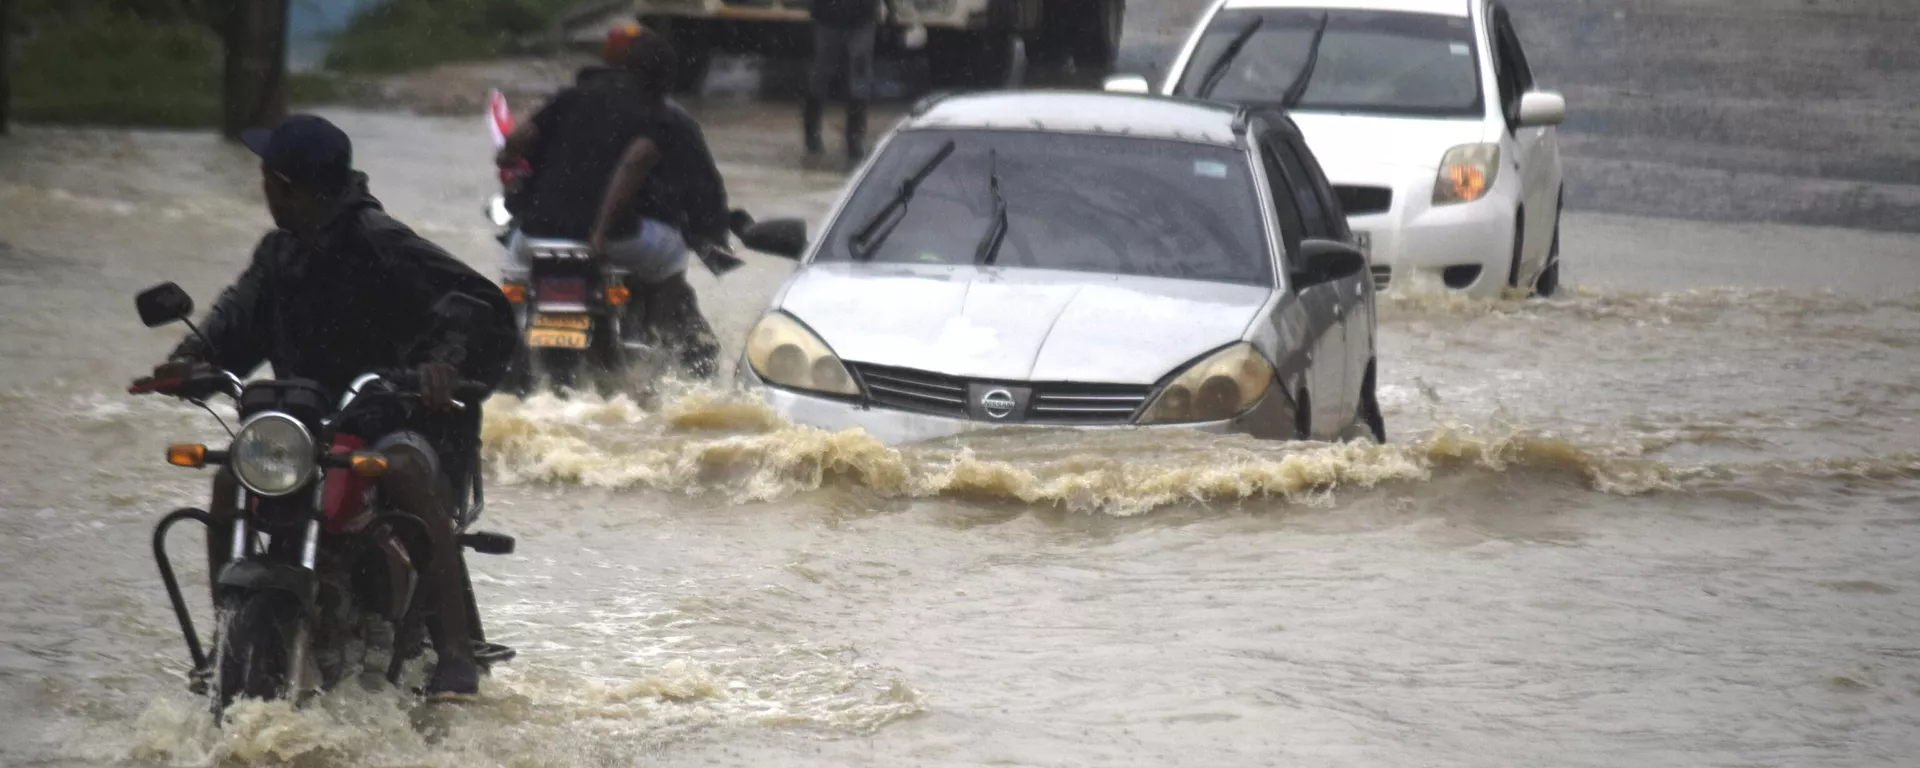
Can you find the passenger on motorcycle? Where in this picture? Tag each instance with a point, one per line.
(341, 288)
(618, 165)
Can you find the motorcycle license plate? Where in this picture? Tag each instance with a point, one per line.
(554, 337)
(567, 322)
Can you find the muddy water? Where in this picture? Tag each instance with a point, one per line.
(1668, 519)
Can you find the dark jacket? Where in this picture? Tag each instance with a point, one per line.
(359, 297)
(585, 129)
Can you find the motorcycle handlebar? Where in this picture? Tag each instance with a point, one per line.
(197, 383)
(409, 382)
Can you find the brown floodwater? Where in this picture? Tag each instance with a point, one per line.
(1670, 518)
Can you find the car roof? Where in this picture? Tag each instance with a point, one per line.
(1130, 114)
(1441, 7)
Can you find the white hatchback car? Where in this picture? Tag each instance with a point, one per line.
(1424, 115)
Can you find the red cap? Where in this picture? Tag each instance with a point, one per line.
(618, 39)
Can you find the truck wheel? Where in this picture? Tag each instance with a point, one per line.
(968, 60)
(1096, 43)
(1048, 53)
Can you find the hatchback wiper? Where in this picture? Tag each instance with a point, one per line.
(876, 230)
(1218, 69)
(1298, 87)
(989, 249)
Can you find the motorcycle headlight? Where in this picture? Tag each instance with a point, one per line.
(1466, 173)
(272, 455)
(1221, 386)
(784, 352)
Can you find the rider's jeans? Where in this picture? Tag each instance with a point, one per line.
(655, 253)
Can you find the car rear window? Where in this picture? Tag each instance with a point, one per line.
(1386, 62)
(1079, 202)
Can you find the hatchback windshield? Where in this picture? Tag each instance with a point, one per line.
(1089, 203)
(1379, 62)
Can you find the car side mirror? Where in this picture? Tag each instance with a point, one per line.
(786, 238)
(1539, 109)
(1127, 84)
(163, 304)
(1324, 261)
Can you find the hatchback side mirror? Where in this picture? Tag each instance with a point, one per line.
(1539, 109)
(163, 304)
(1127, 84)
(786, 238)
(1324, 261)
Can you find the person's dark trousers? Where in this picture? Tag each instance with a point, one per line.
(838, 50)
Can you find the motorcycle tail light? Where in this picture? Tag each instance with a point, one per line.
(563, 289)
(617, 295)
(516, 292)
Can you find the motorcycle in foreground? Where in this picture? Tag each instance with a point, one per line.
(322, 579)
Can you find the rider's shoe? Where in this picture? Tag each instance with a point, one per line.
(454, 679)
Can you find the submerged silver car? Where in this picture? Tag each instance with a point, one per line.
(1077, 260)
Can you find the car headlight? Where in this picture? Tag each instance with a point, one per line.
(272, 455)
(1466, 173)
(784, 352)
(1221, 386)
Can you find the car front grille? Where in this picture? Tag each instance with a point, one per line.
(1085, 403)
(1382, 275)
(910, 390)
(906, 389)
(1362, 201)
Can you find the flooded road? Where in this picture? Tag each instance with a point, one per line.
(1671, 519)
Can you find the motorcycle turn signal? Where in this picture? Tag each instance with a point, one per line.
(369, 464)
(193, 455)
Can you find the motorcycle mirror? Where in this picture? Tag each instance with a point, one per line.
(459, 308)
(786, 238)
(163, 304)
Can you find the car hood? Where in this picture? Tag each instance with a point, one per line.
(1350, 145)
(1019, 324)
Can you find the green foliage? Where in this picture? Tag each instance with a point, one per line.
(118, 69)
(410, 34)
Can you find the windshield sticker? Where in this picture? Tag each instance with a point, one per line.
(1212, 169)
(1458, 49)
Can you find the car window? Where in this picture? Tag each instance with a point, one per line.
(1515, 52)
(1092, 203)
(1317, 177)
(1510, 66)
(1285, 207)
(1369, 61)
(1315, 214)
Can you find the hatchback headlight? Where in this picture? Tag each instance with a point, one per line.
(272, 455)
(784, 352)
(1221, 386)
(1466, 173)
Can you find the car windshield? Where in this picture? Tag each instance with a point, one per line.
(1089, 203)
(1372, 62)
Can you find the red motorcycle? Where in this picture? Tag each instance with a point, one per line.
(322, 581)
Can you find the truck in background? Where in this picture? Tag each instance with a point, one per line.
(970, 44)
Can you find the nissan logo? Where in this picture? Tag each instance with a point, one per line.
(998, 403)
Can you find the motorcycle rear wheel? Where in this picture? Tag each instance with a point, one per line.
(254, 650)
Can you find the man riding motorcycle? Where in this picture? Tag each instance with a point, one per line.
(341, 288)
(589, 136)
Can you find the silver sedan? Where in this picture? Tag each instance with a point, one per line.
(1078, 260)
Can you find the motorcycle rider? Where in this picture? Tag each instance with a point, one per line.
(338, 289)
(579, 144)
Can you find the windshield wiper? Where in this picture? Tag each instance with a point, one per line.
(989, 249)
(876, 230)
(1298, 87)
(1218, 69)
